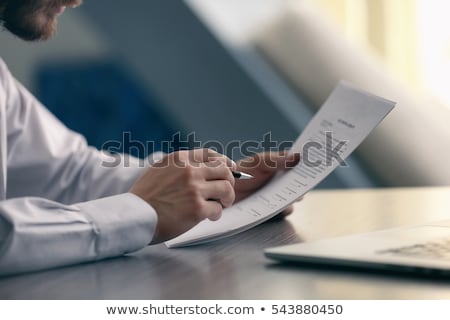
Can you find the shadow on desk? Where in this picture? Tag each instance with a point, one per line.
(345, 271)
(197, 272)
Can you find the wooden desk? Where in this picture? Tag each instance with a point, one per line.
(235, 268)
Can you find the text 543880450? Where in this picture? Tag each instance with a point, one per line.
(307, 309)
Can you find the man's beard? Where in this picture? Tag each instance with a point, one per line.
(33, 19)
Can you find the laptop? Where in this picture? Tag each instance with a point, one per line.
(421, 249)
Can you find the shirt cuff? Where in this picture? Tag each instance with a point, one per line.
(121, 224)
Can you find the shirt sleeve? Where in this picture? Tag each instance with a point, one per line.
(46, 159)
(62, 202)
(37, 234)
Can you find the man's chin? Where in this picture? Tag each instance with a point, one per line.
(32, 23)
(31, 35)
(33, 31)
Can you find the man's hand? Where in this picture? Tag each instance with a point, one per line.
(262, 167)
(185, 188)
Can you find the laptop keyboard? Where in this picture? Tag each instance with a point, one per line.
(436, 249)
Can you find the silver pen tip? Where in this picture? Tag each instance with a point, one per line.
(245, 176)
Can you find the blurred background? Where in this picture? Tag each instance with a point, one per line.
(221, 71)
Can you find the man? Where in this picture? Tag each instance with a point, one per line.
(60, 206)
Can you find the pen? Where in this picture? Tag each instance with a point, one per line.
(241, 175)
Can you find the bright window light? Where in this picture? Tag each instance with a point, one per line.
(433, 24)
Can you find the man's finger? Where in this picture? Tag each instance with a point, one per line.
(209, 155)
(218, 171)
(219, 190)
(214, 210)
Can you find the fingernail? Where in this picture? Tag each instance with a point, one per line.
(294, 155)
(293, 159)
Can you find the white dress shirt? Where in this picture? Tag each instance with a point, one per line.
(58, 204)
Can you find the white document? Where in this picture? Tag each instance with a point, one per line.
(343, 122)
